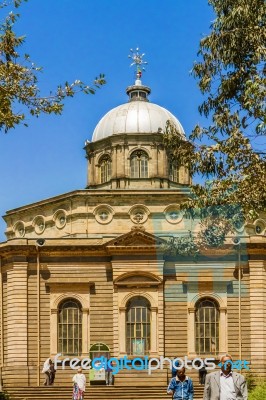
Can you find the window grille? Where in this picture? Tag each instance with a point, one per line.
(138, 322)
(207, 327)
(70, 328)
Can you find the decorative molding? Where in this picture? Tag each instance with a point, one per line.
(60, 218)
(137, 279)
(138, 293)
(103, 213)
(83, 299)
(173, 214)
(39, 224)
(209, 294)
(19, 229)
(139, 213)
(136, 237)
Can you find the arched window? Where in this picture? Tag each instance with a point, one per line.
(105, 168)
(138, 321)
(207, 327)
(70, 328)
(139, 164)
(173, 172)
(99, 350)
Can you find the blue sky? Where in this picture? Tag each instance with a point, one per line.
(78, 40)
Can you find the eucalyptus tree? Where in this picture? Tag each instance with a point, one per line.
(231, 73)
(229, 153)
(20, 94)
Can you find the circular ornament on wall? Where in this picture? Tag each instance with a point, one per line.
(239, 225)
(39, 224)
(173, 214)
(60, 218)
(103, 214)
(19, 229)
(139, 214)
(260, 225)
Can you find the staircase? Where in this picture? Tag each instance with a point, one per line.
(97, 393)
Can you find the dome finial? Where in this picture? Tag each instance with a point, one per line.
(139, 63)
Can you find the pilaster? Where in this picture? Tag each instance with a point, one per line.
(258, 316)
(191, 332)
(122, 324)
(91, 169)
(154, 333)
(17, 322)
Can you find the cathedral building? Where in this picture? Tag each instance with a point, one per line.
(86, 273)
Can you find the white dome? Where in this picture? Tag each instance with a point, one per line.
(134, 117)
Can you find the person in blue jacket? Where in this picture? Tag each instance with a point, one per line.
(181, 386)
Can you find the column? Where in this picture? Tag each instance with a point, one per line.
(154, 333)
(153, 163)
(182, 176)
(223, 331)
(91, 169)
(191, 337)
(114, 162)
(122, 331)
(85, 332)
(54, 331)
(161, 162)
(119, 156)
(164, 172)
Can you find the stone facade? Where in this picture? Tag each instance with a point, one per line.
(103, 247)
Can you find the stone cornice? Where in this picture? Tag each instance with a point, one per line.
(138, 242)
(182, 191)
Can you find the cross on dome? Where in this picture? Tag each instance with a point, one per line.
(138, 61)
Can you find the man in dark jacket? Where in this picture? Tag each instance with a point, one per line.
(52, 374)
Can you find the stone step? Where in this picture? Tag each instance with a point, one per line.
(96, 393)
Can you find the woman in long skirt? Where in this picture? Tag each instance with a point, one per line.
(79, 381)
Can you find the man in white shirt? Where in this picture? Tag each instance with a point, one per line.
(46, 371)
(225, 384)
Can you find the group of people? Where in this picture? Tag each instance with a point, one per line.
(79, 379)
(224, 384)
(219, 385)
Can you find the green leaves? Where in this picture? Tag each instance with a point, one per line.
(233, 58)
(183, 246)
(19, 81)
(231, 73)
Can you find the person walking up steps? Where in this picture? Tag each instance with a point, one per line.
(79, 387)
